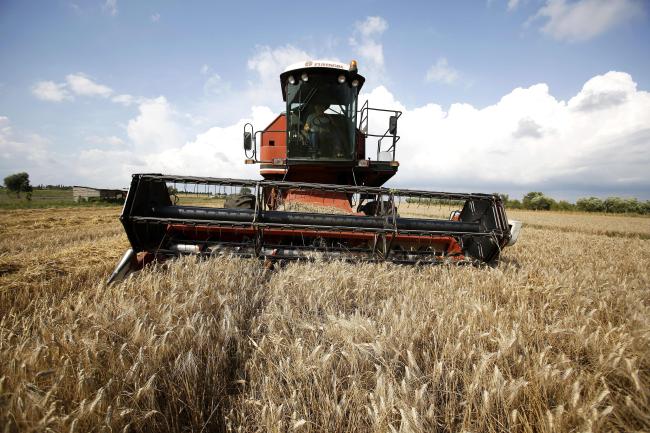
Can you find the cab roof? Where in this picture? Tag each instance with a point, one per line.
(330, 66)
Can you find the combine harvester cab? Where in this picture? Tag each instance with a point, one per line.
(321, 195)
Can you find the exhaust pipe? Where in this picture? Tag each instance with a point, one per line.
(124, 266)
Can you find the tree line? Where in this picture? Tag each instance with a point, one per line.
(48, 186)
(18, 183)
(537, 200)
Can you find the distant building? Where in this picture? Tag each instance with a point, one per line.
(87, 193)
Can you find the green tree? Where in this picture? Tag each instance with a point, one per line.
(245, 190)
(614, 205)
(622, 205)
(565, 205)
(514, 204)
(525, 202)
(633, 205)
(542, 202)
(17, 183)
(536, 200)
(590, 204)
(644, 207)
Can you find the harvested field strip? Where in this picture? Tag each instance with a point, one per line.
(597, 223)
(64, 216)
(609, 233)
(44, 254)
(51, 272)
(38, 239)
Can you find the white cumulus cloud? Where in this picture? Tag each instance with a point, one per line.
(604, 91)
(366, 43)
(156, 127)
(124, 99)
(26, 151)
(268, 63)
(107, 168)
(215, 85)
(216, 152)
(51, 91)
(82, 85)
(441, 72)
(581, 20)
(78, 84)
(110, 140)
(600, 138)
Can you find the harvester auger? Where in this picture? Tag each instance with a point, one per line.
(321, 196)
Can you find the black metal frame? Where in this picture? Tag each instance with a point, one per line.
(364, 128)
(482, 230)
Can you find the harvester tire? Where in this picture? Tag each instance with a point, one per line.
(240, 201)
(373, 208)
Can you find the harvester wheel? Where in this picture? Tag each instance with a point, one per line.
(373, 208)
(240, 201)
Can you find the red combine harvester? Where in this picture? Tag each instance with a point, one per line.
(321, 193)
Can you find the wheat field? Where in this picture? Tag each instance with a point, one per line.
(557, 339)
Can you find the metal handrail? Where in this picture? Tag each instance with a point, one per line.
(364, 121)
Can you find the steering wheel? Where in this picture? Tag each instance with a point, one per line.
(322, 121)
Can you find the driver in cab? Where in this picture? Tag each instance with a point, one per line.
(319, 127)
(318, 121)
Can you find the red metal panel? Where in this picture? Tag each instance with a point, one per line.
(446, 244)
(274, 134)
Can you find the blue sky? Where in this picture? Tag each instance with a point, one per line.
(90, 91)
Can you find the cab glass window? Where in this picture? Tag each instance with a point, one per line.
(321, 118)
